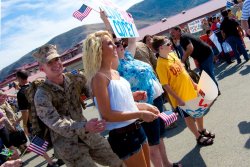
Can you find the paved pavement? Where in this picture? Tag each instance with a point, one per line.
(229, 118)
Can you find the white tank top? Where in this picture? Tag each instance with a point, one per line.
(121, 99)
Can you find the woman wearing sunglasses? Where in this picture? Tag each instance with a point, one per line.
(180, 87)
(115, 102)
(141, 77)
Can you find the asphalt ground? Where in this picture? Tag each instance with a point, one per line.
(228, 118)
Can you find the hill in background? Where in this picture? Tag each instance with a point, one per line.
(144, 13)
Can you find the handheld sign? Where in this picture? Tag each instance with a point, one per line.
(198, 107)
(121, 22)
(195, 26)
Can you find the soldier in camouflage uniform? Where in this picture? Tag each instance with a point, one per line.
(76, 140)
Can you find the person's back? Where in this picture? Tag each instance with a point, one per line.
(201, 50)
(145, 54)
(229, 27)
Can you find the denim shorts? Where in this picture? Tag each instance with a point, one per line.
(155, 130)
(127, 144)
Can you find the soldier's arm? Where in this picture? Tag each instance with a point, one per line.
(64, 126)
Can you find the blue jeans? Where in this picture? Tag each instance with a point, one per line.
(237, 45)
(208, 66)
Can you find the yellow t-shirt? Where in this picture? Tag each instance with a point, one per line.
(171, 71)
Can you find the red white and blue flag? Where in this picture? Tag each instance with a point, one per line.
(82, 12)
(168, 117)
(38, 146)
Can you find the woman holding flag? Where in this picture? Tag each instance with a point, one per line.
(141, 77)
(115, 102)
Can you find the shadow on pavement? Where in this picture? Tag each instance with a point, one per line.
(246, 70)
(244, 128)
(26, 163)
(221, 70)
(181, 125)
(193, 158)
(41, 164)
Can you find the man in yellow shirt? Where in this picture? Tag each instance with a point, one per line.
(180, 87)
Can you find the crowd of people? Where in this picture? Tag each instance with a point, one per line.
(129, 83)
(224, 33)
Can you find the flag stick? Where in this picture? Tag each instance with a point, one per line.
(27, 147)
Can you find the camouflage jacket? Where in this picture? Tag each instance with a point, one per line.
(8, 112)
(61, 110)
(145, 54)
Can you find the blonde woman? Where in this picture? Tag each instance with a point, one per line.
(114, 99)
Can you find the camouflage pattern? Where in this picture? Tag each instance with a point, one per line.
(38, 128)
(46, 53)
(9, 113)
(145, 54)
(60, 109)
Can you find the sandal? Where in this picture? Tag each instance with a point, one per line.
(207, 134)
(176, 164)
(204, 141)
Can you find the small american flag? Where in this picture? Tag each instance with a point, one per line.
(168, 117)
(82, 12)
(38, 145)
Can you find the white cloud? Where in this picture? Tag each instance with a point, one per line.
(38, 23)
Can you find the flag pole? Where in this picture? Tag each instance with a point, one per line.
(27, 147)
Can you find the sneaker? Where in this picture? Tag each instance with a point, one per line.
(53, 165)
(230, 62)
(60, 162)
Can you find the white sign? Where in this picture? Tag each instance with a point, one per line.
(121, 22)
(195, 26)
(198, 107)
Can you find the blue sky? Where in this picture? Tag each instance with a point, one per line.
(28, 24)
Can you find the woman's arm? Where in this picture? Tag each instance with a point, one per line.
(132, 45)
(106, 22)
(100, 91)
(172, 93)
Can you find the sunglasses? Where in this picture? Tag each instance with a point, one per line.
(167, 44)
(118, 44)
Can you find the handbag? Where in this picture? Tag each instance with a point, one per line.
(18, 137)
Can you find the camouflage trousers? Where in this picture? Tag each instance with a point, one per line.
(86, 153)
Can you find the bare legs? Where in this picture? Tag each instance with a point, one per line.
(140, 159)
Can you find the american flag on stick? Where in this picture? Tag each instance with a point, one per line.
(82, 12)
(38, 146)
(168, 117)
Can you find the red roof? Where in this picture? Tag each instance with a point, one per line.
(73, 59)
(39, 74)
(189, 15)
(27, 66)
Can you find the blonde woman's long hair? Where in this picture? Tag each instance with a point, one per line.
(92, 54)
